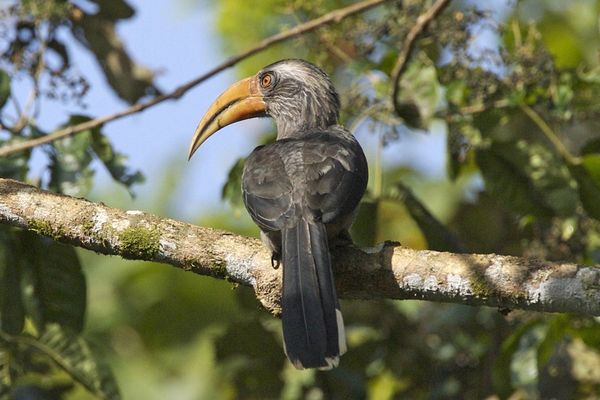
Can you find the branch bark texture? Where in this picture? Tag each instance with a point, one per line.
(388, 271)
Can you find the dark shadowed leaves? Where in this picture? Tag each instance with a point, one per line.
(592, 146)
(250, 353)
(14, 166)
(70, 159)
(131, 81)
(12, 313)
(587, 175)
(5, 373)
(502, 167)
(4, 87)
(55, 288)
(114, 161)
(73, 354)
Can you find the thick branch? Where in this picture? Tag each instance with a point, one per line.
(387, 272)
(300, 29)
(422, 21)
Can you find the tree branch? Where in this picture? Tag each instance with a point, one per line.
(422, 21)
(329, 18)
(389, 271)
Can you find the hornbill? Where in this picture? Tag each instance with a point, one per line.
(302, 191)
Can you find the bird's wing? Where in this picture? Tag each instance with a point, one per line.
(266, 188)
(321, 174)
(335, 175)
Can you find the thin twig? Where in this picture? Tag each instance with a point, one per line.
(27, 113)
(550, 134)
(422, 21)
(331, 17)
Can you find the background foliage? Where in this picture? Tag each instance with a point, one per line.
(514, 89)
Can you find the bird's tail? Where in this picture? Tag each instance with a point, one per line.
(313, 329)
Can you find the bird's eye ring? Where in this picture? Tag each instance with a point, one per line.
(266, 81)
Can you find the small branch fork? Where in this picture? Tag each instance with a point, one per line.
(419, 27)
(332, 17)
(388, 271)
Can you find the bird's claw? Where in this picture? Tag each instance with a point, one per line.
(275, 261)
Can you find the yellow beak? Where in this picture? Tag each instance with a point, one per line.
(240, 101)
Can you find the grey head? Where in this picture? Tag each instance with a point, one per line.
(299, 96)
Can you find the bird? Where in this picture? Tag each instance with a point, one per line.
(303, 192)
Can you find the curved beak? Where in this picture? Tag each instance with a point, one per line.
(240, 101)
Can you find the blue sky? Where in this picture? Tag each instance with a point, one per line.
(179, 41)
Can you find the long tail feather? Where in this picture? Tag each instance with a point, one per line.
(313, 328)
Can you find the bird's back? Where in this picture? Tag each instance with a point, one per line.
(322, 174)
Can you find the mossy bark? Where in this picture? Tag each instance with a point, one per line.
(388, 271)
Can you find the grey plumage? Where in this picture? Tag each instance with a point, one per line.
(302, 191)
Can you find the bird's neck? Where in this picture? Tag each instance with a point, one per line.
(302, 124)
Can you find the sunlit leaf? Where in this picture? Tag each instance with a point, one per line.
(385, 386)
(73, 354)
(364, 228)
(438, 236)
(457, 92)
(420, 93)
(232, 189)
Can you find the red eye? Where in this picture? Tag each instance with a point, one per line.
(266, 81)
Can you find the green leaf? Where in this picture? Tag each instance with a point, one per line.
(592, 146)
(5, 370)
(438, 236)
(420, 93)
(249, 352)
(503, 168)
(501, 374)
(55, 287)
(587, 175)
(70, 159)
(364, 228)
(232, 189)
(557, 328)
(114, 161)
(15, 166)
(457, 92)
(12, 313)
(4, 87)
(98, 33)
(73, 354)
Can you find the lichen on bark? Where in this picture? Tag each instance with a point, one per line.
(139, 243)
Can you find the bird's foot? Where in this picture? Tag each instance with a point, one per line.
(275, 260)
(343, 239)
